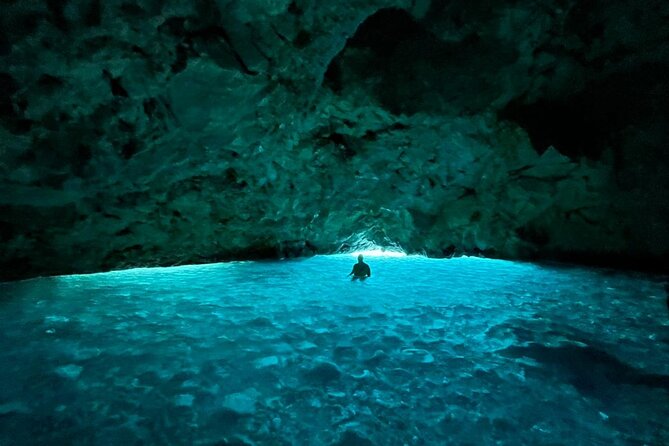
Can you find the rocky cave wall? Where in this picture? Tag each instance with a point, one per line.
(166, 132)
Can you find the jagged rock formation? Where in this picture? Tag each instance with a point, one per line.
(167, 132)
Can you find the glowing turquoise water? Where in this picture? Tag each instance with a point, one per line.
(462, 351)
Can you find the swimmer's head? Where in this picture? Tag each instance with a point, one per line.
(360, 258)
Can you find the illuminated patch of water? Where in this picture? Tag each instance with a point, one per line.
(460, 351)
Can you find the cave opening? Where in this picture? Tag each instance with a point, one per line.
(371, 244)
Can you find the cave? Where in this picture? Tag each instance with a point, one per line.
(184, 187)
(538, 119)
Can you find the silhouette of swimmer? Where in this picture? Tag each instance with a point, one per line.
(360, 270)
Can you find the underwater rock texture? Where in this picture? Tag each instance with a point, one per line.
(168, 132)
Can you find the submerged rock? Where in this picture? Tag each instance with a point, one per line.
(71, 371)
(365, 374)
(185, 400)
(14, 407)
(417, 355)
(323, 373)
(353, 438)
(242, 403)
(377, 358)
(306, 345)
(268, 361)
(235, 441)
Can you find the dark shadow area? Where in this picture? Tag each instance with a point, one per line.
(409, 69)
(206, 37)
(593, 372)
(387, 29)
(380, 38)
(11, 108)
(623, 261)
(586, 123)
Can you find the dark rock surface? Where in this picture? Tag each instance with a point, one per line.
(157, 133)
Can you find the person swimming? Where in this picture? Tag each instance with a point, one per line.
(360, 270)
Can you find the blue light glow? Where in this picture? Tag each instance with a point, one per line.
(457, 351)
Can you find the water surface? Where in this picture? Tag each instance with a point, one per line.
(461, 351)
